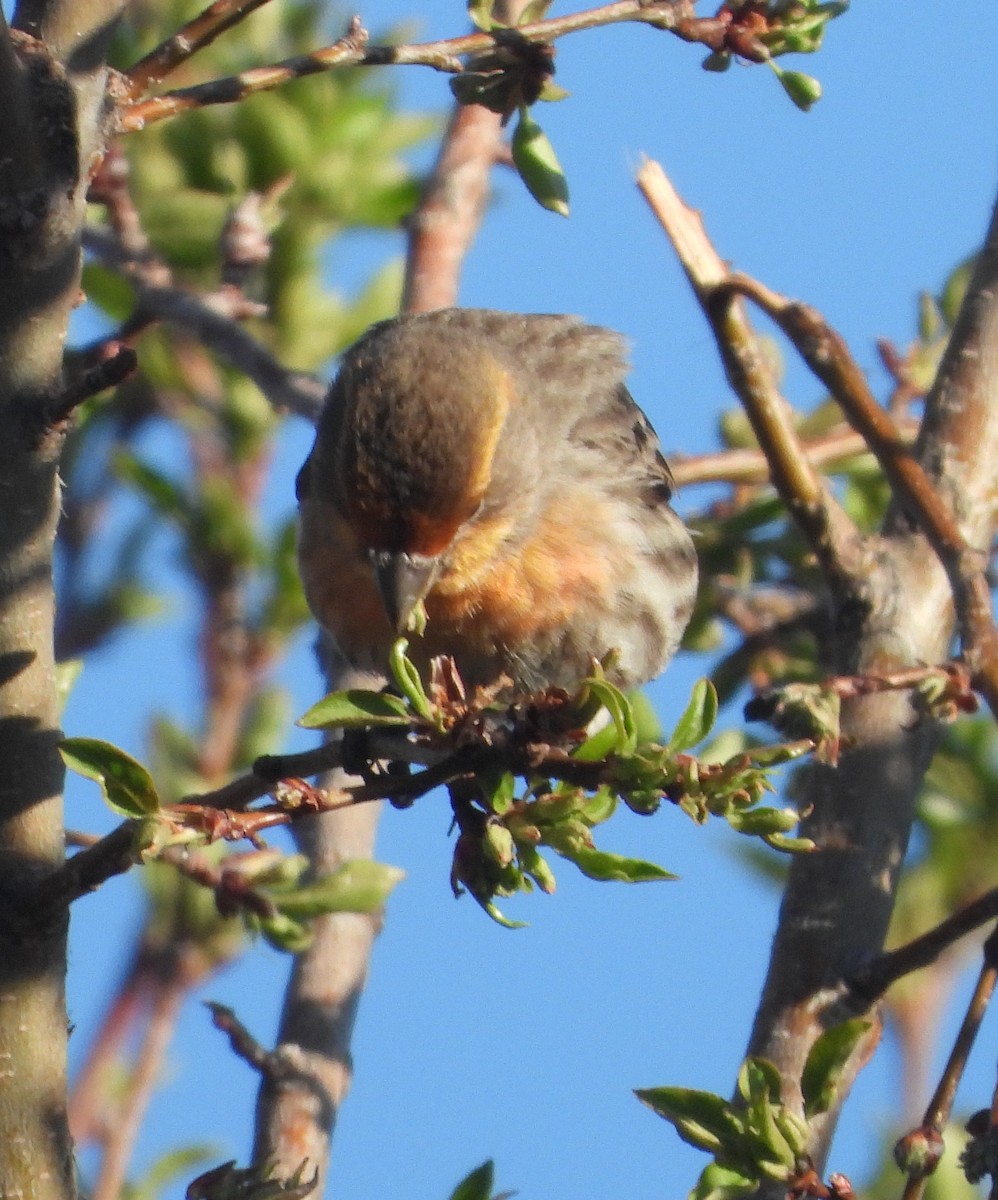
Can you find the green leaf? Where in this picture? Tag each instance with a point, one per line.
(723, 1183)
(533, 863)
(789, 845)
(127, 786)
(759, 822)
(535, 10)
(620, 736)
(826, 1062)
(477, 1185)
(108, 290)
(698, 719)
(283, 932)
(407, 677)
(781, 752)
(498, 844)
(480, 14)
(803, 90)
(537, 163)
(759, 1077)
(606, 867)
(929, 317)
(498, 916)
(598, 745)
(955, 288)
(647, 725)
(700, 1118)
(498, 790)
(759, 1083)
(354, 709)
(552, 92)
(359, 886)
(718, 62)
(598, 807)
(173, 1166)
(161, 493)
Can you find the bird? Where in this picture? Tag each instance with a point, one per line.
(493, 468)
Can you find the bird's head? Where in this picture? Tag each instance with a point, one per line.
(417, 417)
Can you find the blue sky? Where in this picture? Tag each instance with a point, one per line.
(475, 1041)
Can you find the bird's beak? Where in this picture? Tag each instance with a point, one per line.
(402, 580)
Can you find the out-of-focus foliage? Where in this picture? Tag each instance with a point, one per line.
(325, 157)
(326, 149)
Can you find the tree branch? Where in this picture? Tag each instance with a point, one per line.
(829, 531)
(447, 219)
(872, 981)
(197, 33)
(51, 94)
(836, 908)
(748, 465)
(352, 51)
(838, 902)
(214, 320)
(926, 1141)
(827, 355)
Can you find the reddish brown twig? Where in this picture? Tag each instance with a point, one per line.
(828, 357)
(446, 55)
(121, 361)
(870, 984)
(940, 1107)
(833, 536)
(748, 465)
(122, 1132)
(199, 32)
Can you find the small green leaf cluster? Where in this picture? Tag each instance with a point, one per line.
(357, 886)
(572, 783)
(267, 889)
(324, 152)
(731, 789)
(768, 30)
(757, 1137)
(798, 26)
(510, 78)
(230, 1182)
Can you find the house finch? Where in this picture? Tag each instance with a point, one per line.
(495, 467)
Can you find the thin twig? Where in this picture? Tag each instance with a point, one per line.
(118, 1148)
(870, 984)
(116, 368)
(828, 357)
(214, 321)
(940, 1107)
(199, 32)
(86, 871)
(268, 1063)
(446, 55)
(749, 465)
(951, 675)
(90, 1099)
(828, 529)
